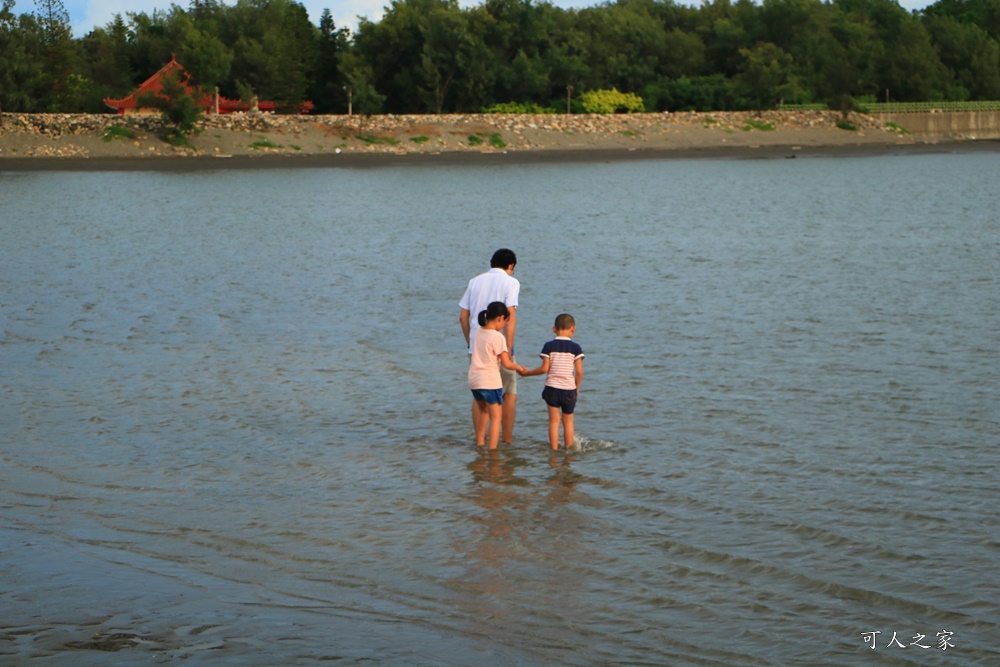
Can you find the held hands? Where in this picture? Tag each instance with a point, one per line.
(522, 371)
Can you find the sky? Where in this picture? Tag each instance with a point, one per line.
(85, 15)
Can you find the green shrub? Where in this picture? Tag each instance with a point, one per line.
(844, 125)
(757, 124)
(376, 139)
(611, 101)
(420, 139)
(264, 143)
(864, 103)
(518, 107)
(496, 141)
(179, 109)
(475, 140)
(897, 128)
(118, 132)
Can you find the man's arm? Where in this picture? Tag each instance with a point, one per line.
(511, 328)
(463, 320)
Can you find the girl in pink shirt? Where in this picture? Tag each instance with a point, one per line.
(489, 351)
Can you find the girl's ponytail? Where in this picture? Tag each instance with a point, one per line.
(493, 311)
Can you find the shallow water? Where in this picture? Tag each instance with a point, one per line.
(236, 429)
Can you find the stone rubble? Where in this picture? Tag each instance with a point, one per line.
(396, 133)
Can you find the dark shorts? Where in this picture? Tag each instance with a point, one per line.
(491, 396)
(564, 399)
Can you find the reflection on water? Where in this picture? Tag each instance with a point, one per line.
(236, 420)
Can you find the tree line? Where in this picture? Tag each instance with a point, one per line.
(432, 56)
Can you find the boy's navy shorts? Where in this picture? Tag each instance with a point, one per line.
(564, 399)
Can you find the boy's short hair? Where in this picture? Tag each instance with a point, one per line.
(564, 321)
(503, 258)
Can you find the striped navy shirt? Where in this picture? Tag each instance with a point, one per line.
(562, 354)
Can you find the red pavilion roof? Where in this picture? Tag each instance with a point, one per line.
(154, 86)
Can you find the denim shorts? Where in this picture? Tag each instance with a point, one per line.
(564, 399)
(491, 396)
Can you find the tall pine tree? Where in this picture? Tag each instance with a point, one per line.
(61, 88)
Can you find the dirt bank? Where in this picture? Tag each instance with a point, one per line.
(78, 138)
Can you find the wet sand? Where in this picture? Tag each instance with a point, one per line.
(550, 156)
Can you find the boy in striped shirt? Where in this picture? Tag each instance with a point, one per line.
(562, 365)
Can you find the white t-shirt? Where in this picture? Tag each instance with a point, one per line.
(484, 289)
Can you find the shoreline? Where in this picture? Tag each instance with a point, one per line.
(81, 142)
(454, 158)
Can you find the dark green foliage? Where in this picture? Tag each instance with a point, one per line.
(106, 63)
(971, 56)
(985, 14)
(768, 73)
(59, 86)
(436, 56)
(328, 87)
(21, 66)
(703, 93)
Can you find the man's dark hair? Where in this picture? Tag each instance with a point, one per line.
(503, 258)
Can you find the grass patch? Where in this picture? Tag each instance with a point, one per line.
(175, 137)
(475, 140)
(844, 125)
(708, 120)
(421, 139)
(376, 140)
(757, 124)
(118, 132)
(897, 128)
(297, 148)
(496, 141)
(630, 133)
(264, 143)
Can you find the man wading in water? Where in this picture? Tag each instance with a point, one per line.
(497, 284)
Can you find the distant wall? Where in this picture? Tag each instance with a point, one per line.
(948, 124)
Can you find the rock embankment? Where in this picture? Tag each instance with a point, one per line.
(112, 135)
